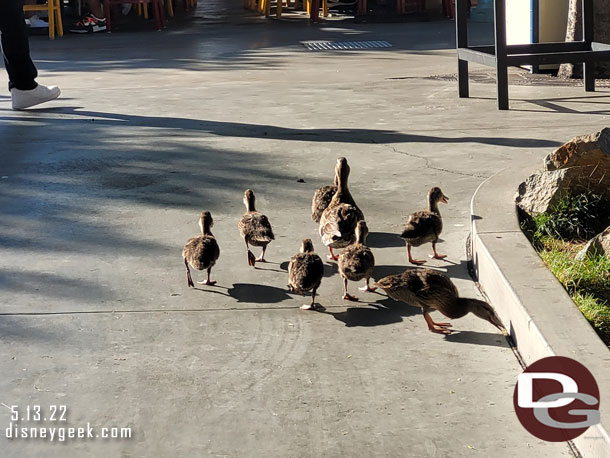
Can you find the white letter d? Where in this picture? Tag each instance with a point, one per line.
(526, 381)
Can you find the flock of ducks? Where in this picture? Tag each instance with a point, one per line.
(342, 225)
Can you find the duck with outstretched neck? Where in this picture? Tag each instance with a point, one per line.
(433, 290)
(338, 221)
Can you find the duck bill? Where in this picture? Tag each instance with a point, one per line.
(445, 199)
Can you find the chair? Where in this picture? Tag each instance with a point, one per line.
(54, 9)
(449, 7)
(157, 6)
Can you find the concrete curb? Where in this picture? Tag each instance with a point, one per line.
(538, 313)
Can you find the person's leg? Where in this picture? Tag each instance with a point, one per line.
(15, 46)
(92, 22)
(22, 73)
(95, 6)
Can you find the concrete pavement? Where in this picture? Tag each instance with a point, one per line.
(101, 189)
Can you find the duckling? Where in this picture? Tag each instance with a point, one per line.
(338, 221)
(201, 252)
(255, 228)
(433, 290)
(425, 226)
(305, 272)
(321, 200)
(357, 261)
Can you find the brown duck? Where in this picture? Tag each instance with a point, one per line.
(357, 262)
(201, 252)
(338, 221)
(254, 228)
(305, 273)
(321, 200)
(433, 290)
(425, 226)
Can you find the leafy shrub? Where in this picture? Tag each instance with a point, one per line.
(574, 217)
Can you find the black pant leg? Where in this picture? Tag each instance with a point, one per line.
(15, 46)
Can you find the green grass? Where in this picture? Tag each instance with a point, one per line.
(558, 236)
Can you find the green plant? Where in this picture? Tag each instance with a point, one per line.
(558, 235)
(574, 217)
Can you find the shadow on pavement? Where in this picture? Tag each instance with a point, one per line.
(259, 294)
(386, 311)
(384, 240)
(490, 339)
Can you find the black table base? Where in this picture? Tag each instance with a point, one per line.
(501, 56)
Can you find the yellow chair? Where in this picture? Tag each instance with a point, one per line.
(54, 9)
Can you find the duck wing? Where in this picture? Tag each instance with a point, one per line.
(321, 200)
(338, 224)
(433, 289)
(305, 271)
(422, 224)
(356, 262)
(201, 252)
(256, 228)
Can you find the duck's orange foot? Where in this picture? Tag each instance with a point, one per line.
(443, 325)
(417, 262)
(333, 257)
(349, 297)
(368, 288)
(440, 330)
(207, 282)
(438, 256)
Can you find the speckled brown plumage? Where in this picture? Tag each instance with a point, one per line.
(338, 221)
(305, 272)
(254, 228)
(425, 226)
(201, 252)
(357, 261)
(321, 200)
(433, 290)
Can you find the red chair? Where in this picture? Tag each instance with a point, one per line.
(449, 7)
(157, 6)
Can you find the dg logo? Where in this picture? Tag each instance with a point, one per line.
(556, 399)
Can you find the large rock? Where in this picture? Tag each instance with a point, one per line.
(582, 164)
(588, 150)
(600, 244)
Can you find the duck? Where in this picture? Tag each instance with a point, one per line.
(305, 272)
(357, 262)
(321, 199)
(339, 219)
(254, 228)
(433, 290)
(201, 252)
(425, 226)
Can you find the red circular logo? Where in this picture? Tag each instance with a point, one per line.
(556, 399)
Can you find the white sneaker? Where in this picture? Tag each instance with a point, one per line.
(40, 94)
(36, 22)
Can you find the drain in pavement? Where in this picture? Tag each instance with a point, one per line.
(344, 45)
